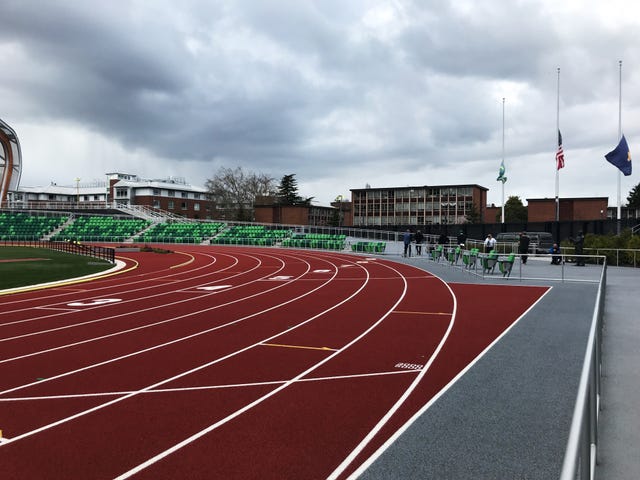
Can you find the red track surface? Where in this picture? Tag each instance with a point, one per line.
(233, 363)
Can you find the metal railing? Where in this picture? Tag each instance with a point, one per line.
(581, 452)
(102, 253)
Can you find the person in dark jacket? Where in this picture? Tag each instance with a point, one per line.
(419, 238)
(556, 258)
(523, 246)
(461, 239)
(578, 243)
(406, 239)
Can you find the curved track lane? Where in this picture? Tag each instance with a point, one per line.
(231, 363)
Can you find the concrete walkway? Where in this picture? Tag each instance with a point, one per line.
(508, 417)
(619, 434)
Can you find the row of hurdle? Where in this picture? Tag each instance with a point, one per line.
(473, 259)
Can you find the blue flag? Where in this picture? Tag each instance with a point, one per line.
(501, 177)
(620, 157)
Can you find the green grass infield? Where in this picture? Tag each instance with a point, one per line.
(23, 266)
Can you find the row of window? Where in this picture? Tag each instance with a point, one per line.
(171, 205)
(413, 207)
(173, 193)
(407, 220)
(124, 193)
(19, 197)
(412, 193)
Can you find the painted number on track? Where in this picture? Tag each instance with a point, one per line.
(92, 303)
(409, 366)
(281, 277)
(214, 287)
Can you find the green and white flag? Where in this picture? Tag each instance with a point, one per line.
(501, 177)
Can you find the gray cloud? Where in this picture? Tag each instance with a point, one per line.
(340, 93)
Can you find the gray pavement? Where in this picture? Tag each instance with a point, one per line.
(508, 417)
(619, 434)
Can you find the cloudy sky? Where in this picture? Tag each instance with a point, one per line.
(340, 93)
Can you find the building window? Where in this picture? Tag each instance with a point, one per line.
(196, 207)
(156, 203)
(184, 205)
(170, 207)
(156, 191)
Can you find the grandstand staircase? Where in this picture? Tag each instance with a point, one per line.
(62, 226)
(154, 215)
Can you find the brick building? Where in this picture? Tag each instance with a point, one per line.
(419, 205)
(174, 195)
(268, 210)
(570, 209)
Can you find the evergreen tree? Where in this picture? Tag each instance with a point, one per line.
(514, 210)
(288, 191)
(633, 200)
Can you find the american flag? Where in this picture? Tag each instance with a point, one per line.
(559, 153)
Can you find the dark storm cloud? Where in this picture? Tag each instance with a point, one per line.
(316, 87)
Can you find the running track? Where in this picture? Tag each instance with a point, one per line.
(216, 362)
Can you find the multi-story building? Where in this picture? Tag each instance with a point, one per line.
(54, 196)
(418, 205)
(267, 209)
(174, 195)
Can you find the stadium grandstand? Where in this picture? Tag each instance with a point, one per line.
(10, 161)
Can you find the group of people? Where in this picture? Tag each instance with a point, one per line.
(556, 256)
(418, 239)
(490, 244)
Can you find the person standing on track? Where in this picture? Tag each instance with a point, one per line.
(578, 243)
(419, 238)
(556, 258)
(489, 243)
(461, 239)
(406, 238)
(523, 246)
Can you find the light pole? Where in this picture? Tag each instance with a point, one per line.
(77, 191)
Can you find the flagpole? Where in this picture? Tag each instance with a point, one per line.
(502, 216)
(619, 136)
(557, 169)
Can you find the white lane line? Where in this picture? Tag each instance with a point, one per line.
(206, 365)
(88, 367)
(118, 284)
(367, 463)
(258, 401)
(111, 317)
(396, 406)
(121, 292)
(142, 327)
(205, 387)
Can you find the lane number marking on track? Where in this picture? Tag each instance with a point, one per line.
(92, 303)
(214, 287)
(409, 366)
(281, 277)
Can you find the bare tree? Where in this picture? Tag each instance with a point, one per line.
(233, 190)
